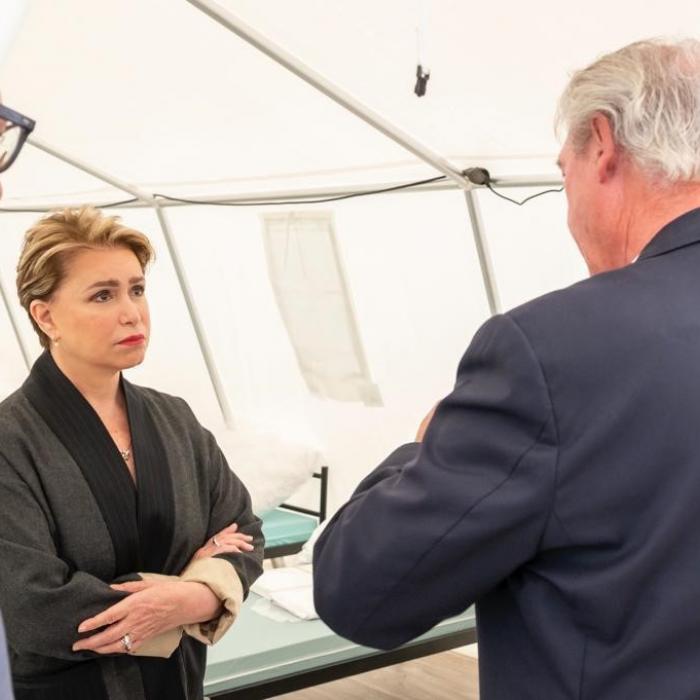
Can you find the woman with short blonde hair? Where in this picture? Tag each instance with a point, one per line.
(127, 543)
(50, 243)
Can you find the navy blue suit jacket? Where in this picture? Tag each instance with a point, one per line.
(558, 487)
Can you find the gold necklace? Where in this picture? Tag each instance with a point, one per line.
(126, 454)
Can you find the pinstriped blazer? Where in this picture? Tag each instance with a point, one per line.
(73, 521)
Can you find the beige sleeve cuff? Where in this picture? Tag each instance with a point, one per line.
(224, 582)
(164, 644)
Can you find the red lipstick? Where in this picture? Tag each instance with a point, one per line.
(133, 340)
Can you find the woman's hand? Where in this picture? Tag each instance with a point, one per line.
(154, 607)
(223, 542)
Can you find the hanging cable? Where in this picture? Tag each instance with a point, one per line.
(290, 202)
(482, 177)
(527, 199)
(477, 176)
(123, 203)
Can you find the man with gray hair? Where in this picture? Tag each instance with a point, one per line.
(558, 485)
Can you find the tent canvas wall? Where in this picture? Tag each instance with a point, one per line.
(162, 97)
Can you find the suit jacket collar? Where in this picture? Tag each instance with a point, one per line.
(681, 232)
(140, 521)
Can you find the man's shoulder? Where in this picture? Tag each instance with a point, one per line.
(593, 302)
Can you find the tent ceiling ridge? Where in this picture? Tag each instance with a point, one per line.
(339, 95)
(261, 196)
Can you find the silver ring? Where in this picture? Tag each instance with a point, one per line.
(215, 541)
(126, 641)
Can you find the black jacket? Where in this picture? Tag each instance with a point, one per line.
(72, 521)
(558, 487)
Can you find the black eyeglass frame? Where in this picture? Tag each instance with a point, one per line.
(25, 125)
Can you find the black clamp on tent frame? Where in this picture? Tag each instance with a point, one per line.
(421, 81)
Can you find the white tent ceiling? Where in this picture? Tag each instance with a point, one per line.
(158, 94)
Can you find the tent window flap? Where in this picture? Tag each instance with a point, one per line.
(313, 298)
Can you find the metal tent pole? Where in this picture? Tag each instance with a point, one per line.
(236, 25)
(90, 170)
(261, 197)
(147, 198)
(15, 327)
(352, 104)
(194, 315)
(482, 251)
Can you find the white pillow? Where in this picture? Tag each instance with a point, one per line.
(271, 468)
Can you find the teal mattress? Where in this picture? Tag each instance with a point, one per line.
(283, 527)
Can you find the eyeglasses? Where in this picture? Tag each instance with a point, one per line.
(14, 129)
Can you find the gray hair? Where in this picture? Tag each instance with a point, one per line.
(650, 93)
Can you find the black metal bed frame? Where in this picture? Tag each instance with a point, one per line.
(285, 550)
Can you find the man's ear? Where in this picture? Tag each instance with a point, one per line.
(41, 313)
(604, 149)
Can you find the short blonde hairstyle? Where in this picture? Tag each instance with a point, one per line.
(53, 240)
(650, 93)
